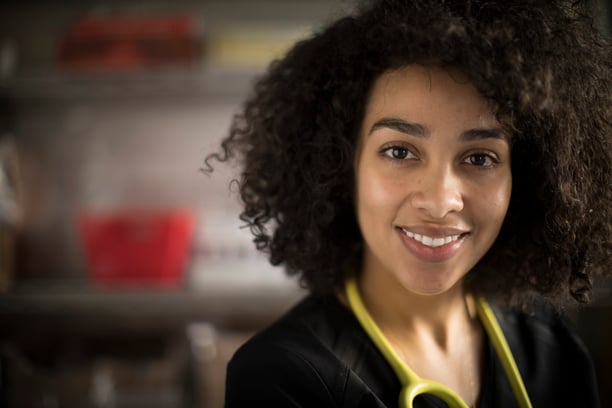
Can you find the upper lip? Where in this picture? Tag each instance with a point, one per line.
(434, 232)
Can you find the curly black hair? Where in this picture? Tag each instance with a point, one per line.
(546, 72)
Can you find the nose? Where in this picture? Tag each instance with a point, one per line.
(439, 192)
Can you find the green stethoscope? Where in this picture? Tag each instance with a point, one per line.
(412, 384)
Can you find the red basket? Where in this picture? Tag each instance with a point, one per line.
(129, 43)
(137, 247)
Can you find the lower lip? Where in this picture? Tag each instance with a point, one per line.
(428, 254)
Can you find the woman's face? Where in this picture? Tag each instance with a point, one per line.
(433, 179)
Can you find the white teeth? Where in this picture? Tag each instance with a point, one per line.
(438, 242)
(430, 241)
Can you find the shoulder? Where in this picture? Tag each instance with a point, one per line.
(554, 362)
(542, 328)
(292, 362)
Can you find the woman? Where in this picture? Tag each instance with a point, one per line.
(437, 174)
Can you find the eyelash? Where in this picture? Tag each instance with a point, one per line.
(408, 154)
(388, 150)
(486, 155)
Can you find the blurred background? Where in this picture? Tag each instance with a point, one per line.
(126, 279)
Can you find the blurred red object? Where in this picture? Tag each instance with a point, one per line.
(142, 248)
(124, 43)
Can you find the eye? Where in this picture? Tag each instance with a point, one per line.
(481, 160)
(398, 152)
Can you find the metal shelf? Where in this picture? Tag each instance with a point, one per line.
(218, 304)
(204, 82)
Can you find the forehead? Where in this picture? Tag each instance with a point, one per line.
(421, 90)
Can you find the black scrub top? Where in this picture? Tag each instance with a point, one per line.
(318, 355)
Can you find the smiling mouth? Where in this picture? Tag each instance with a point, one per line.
(431, 241)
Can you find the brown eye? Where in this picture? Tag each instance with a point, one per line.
(481, 160)
(398, 153)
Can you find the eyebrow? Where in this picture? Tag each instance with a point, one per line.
(400, 125)
(485, 133)
(418, 130)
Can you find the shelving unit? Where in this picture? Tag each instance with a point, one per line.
(131, 138)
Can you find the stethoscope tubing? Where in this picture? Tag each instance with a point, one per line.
(412, 384)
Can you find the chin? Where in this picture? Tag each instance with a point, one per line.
(431, 287)
(429, 291)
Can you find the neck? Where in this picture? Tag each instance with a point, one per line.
(438, 336)
(424, 320)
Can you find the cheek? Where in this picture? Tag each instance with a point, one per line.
(376, 191)
(494, 203)
(369, 193)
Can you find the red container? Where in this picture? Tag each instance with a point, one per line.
(129, 42)
(143, 248)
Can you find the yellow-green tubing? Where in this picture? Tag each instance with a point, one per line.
(487, 317)
(414, 385)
